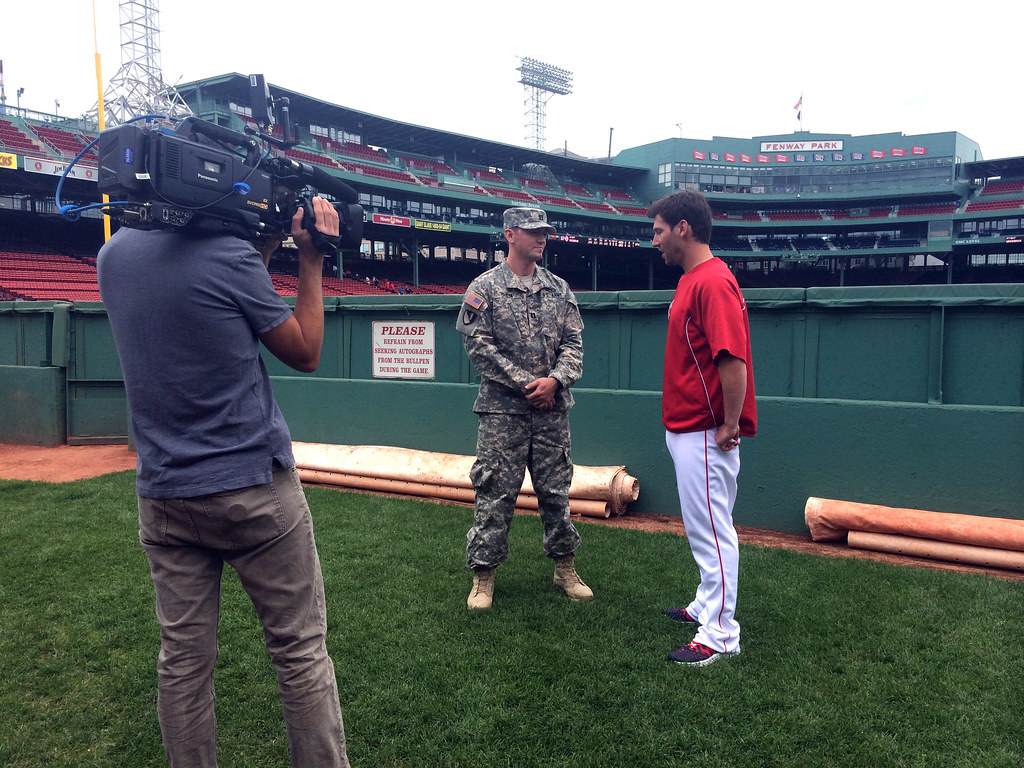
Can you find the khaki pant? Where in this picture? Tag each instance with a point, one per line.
(266, 534)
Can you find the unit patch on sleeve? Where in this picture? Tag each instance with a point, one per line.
(469, 316)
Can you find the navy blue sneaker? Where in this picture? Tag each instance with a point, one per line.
(680, 614)
(697, 655)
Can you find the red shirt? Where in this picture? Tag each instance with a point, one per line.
(708, 316)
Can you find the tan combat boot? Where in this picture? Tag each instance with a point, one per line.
(566, 578)
(482, 594)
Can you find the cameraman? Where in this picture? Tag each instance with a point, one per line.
(216, 478)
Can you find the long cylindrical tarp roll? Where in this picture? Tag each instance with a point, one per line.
(830, 520)
(967, 554)
(609, 484)
(595, 491)
(586, 507)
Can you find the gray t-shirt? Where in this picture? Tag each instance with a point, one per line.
(186, 312)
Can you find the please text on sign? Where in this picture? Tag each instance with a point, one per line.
(403, 350)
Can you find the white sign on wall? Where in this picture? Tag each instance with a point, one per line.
(50, 168)
(403, 350)
(818, 145)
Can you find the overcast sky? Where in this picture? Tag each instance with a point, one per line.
(642, 70)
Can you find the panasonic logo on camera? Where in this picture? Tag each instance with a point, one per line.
(207, 178)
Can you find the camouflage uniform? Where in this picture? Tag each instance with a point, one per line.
(516, 330)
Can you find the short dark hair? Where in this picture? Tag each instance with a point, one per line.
(689, 204)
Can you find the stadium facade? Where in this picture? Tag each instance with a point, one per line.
(802, 209)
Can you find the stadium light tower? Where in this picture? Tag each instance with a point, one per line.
(542, 81)
(138, 88)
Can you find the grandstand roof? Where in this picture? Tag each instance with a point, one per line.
(398, 136)
(981, 169)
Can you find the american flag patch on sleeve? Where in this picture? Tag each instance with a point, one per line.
(473, 300)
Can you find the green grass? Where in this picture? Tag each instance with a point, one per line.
(844, 663)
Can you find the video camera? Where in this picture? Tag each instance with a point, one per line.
(194, 175)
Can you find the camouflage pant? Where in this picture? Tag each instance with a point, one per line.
(508, 444)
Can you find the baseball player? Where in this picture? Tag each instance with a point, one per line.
(707, 407)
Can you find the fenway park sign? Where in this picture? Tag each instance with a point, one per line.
(801, 146)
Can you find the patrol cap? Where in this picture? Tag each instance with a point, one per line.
(527, 218)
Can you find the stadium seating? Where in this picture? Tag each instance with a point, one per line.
(774, 244)
(618, 194)
(630, 210)
(367, 154)
(858, 213)
(793, 215)
(12, 137)
(593, 205)
(810, 244)
(993, 205)
(564, 202)
(66, 143)
(512, 194)
(574, 190)
(534, 183)
(308, 157)
(403, 177)
(488, 176)
(433, 166)
(740, 216)
(328, 144)
(934, 209)
(860, 242)
(457, 290)
(1003, 188)
(732, 245)
(47, 277)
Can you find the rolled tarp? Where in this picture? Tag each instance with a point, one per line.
(595, 491)
(966, 554)
(832, 520)
(524, 502)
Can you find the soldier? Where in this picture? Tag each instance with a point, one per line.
(522, 331)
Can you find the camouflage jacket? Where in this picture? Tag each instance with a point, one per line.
(516, 330)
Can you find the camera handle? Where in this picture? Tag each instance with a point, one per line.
(327, 244)
(221, 134)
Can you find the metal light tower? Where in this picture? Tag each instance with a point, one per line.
(542, 81)
(138, 88)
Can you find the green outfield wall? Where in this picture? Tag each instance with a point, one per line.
(901, 396)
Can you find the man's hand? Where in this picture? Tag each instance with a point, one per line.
(540, 393)
(732, 372)
(326, 217)
(298, 341)
(727, 437)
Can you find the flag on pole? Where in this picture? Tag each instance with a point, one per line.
(799, 102)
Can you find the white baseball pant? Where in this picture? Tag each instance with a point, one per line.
(706, 480)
